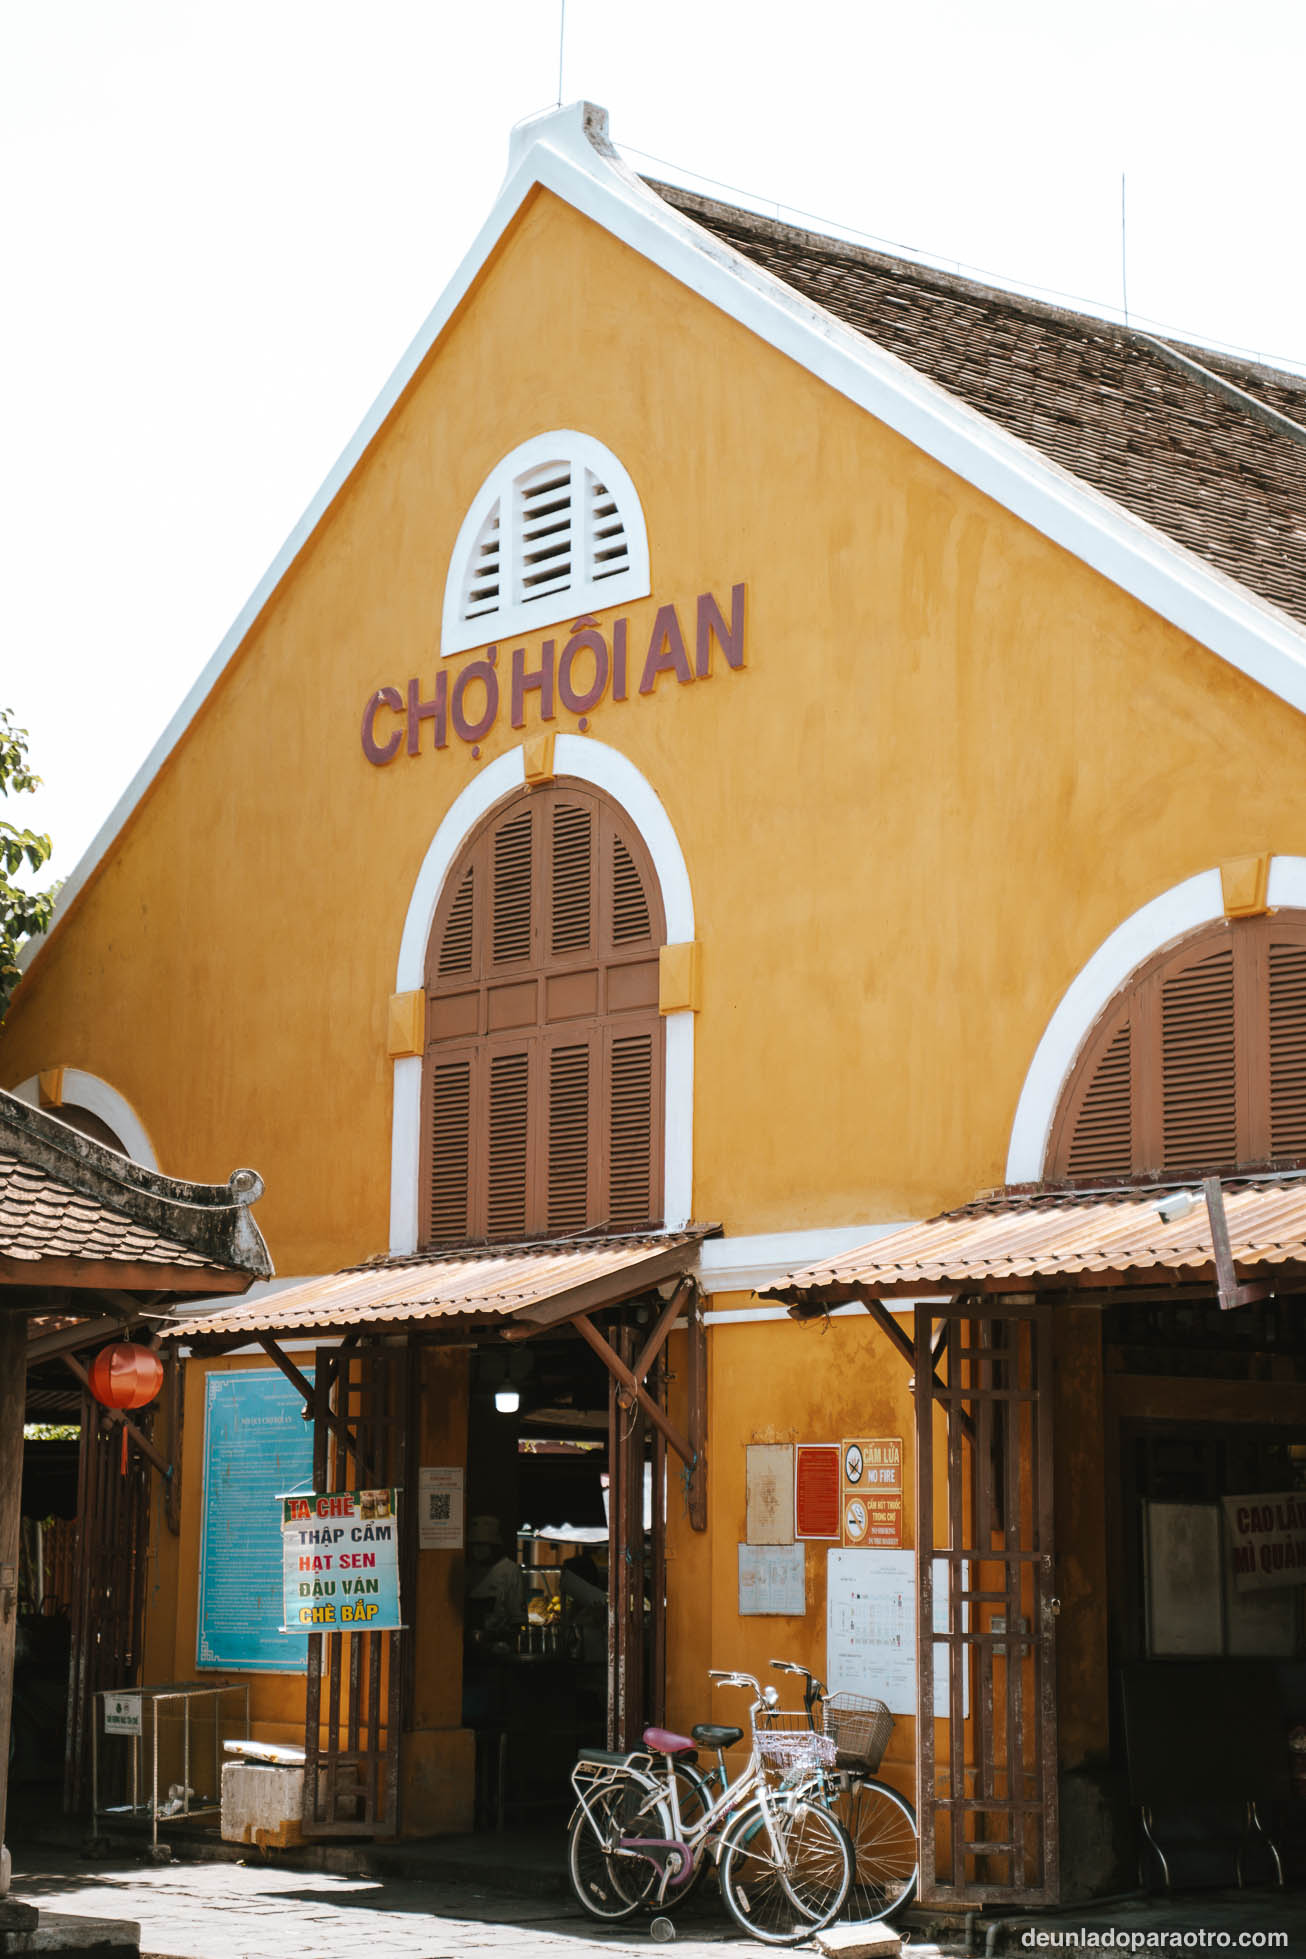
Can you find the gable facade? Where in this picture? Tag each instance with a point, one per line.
(890, 746)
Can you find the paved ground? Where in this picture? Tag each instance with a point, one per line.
(225, 1910)
(235, 1911)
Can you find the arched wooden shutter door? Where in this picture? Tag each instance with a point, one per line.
(1199, 1064)
(544, 1065)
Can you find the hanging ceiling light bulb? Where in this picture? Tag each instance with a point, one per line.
(507, 1400)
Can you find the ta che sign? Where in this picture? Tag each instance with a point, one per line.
(340, 1561)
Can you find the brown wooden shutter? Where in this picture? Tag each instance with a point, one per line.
(573, 831)
(509, 1142)
(542, 991)
(570, 1101)
(1199, 1063)
(630, 1131)
(630, 910)
(456, 942)
(1287, 1015)
(513, 868)
(450, 1156)
(1103, 1141)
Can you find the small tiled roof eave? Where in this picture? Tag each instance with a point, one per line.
(1067, 1241)
(470, 1290)
(74, 1213)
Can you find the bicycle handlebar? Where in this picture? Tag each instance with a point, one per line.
(813, 1691)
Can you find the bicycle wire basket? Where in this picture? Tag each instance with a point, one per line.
(859, 1729)
(786, 1741)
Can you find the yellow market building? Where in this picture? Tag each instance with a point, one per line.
(756, 746)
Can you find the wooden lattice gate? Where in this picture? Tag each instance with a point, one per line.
(355, 1689)
(986, 1607)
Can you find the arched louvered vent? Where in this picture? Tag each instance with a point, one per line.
(609, 550)
(1199, 1064)
(482, 587)
(544, 1065)
(554, 532)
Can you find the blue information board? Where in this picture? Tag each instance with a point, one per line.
(257, 1449)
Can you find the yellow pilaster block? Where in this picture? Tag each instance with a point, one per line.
(1243, 881)
(406, 1025)
(538, 761)
(49, 1085)
(680, 978)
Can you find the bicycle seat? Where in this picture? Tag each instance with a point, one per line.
(708, 1735)
(665, 1743)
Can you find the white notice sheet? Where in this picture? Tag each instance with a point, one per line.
(870, 1630)
(773, 1578)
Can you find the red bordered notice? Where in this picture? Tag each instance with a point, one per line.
(817, 1507)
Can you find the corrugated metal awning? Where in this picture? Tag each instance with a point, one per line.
(1070, 1240)
(539, 1285)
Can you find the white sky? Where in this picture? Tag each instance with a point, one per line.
(223, 224)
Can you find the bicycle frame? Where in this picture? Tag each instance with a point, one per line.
(749, 1789)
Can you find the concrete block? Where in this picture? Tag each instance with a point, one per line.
(871, 1940)
(92, 1938)
(262, 1803)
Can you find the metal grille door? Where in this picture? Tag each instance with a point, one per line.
(986, 1694)
(353, 1719)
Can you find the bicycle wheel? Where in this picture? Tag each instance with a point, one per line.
(611, 1883)
(785, 1870)
(881, 1827)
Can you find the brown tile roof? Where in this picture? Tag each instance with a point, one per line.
(41, 1217)
(64, 1196)
(537, 1283)
(1207, 471)
(1027, 1238)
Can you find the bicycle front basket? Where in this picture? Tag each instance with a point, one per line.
(859, 1728)
(789, 1744)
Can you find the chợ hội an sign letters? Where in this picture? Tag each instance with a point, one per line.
(575, 674)
(340, 1561)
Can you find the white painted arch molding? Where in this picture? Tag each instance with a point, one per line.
(1164, 920)
(608, 770)
(87, 1091)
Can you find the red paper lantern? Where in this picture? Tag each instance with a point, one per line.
(126, 1376)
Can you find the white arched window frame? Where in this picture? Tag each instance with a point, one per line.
(82, 1090)
(556, 530)
(608, 770)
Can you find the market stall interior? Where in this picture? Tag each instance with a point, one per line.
(536, 1573)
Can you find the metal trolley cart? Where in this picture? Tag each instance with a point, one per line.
(173, 1739)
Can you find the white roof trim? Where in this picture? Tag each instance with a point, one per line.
(566, 151)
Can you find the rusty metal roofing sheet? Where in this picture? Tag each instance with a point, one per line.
(475, 1287)
(1061, 1234)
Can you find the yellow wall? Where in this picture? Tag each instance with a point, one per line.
(956, 760)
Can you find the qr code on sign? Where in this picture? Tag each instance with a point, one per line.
(439, 1501)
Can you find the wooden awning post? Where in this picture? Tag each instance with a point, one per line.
(697, 1372)
(13, 1398)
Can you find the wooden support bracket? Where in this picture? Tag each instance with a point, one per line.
(624, 1378)
(304, 1387)
(906, 1346)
